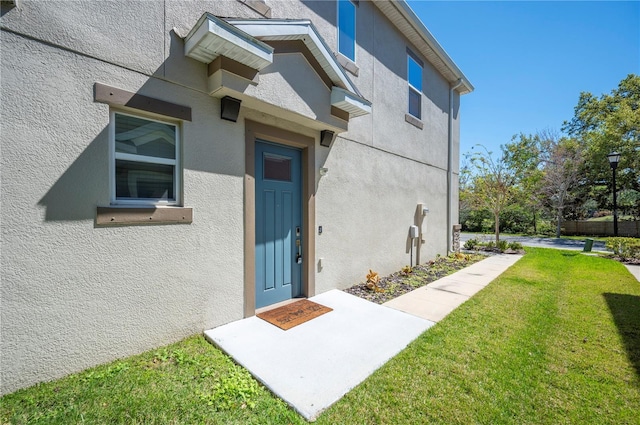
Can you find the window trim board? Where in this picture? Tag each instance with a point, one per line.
(114, 96)
(118, 216)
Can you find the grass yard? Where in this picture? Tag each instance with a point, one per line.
(555, 339)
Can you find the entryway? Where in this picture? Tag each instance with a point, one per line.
(278, 226)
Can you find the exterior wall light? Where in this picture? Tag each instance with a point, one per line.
(326, 137)
(229, 108)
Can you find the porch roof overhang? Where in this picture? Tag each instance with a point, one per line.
(246, 41)
(212, 37)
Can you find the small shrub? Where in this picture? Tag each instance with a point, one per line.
(516, 246)
(625, 248)
(372, 281)
(471, 243)
(490, 245)
(503, 245)
(406, 270)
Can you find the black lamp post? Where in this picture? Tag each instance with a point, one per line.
(614, 159)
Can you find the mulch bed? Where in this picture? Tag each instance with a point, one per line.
(400, 283)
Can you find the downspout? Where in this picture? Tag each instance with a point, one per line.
(450, 168)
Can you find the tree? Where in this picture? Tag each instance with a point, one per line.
(548, 170)
(606, 124)
(561, 173)
(523, 156)
(489, 184)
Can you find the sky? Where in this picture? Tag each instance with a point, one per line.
(529, 60)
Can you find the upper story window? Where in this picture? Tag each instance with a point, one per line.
(414, 77)
(145, 160)
(347, 28)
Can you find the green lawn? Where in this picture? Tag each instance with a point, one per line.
(555, 339)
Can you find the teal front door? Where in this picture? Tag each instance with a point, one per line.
(278, 224)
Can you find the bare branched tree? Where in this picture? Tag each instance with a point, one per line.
(490, 182)
(562, 159)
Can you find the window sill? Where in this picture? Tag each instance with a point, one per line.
(348, 64)
(118, 216)
(259, 6)
(413, 121)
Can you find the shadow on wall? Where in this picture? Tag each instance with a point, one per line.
(84, 185)
(625, 309)
(75, 195)
(393, 59)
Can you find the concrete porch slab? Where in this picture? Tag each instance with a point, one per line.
(311, 366)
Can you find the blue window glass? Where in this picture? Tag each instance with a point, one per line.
(347, 28)
(414, 71)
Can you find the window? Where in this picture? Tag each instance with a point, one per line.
(145, 161)
(347, 29)
(414, 77)
(276, 168)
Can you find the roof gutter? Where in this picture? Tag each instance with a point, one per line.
(450, 167)
(406, 11)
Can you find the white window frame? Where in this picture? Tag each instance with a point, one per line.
(355, 25)
(412, 57)
(113, 156)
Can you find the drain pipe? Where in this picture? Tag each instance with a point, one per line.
(450, 167)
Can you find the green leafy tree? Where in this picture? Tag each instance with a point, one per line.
(548, 169)
(523, 156)
(610, 123)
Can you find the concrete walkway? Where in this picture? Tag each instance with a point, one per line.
(436, 300)
(313, 365)
(634, 269)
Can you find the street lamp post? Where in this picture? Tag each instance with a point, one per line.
(614, 159)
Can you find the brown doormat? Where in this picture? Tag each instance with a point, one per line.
(290, 315)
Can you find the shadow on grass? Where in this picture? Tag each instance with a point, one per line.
(625, 309)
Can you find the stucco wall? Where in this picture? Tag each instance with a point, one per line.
(74, 295)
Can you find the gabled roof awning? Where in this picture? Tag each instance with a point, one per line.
(246, 41)
(303, 30)
(349, 98)
(212, 37)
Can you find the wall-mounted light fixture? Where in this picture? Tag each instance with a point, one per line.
(229, 108)
(326, 137)
(323, 171)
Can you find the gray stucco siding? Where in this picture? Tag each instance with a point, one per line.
(90, 294)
